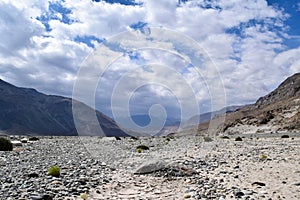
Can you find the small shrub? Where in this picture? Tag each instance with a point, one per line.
(207, 139)
(142, 147)
(264, 157)
(84, 196)
(239, 139)
(139, 150)
(54, 171)
(285, 136)
(5, 144)
(170, 137)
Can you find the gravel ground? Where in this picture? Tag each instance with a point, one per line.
(186, 168)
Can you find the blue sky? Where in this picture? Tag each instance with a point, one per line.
(254, 45)
(292, 22)
(292, 8)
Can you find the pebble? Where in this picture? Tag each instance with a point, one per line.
(258, 184)
(296, 184)
(24, 140)
(151, 166)
(42, 197)
(239, 194)
(33, 175)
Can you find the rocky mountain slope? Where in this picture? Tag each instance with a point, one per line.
(275, 112)
(205, 117)
(27, 111)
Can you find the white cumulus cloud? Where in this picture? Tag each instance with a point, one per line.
(42, 46)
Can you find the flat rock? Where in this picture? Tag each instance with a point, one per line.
(108, 139)
(42, 197)
(16, 143)
(24, 140)
(296, 183)
(151, 166)
(258, 184)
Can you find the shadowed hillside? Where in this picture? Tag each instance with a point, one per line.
(26, 111)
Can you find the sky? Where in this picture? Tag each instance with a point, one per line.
(246, 49)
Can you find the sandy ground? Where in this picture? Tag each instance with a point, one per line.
(273, 162)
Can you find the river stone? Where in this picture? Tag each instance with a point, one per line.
(24, 140)
(16, 143)
(42, 197)
(2, 161)
(296, 183)
(258, 184)
(151, 166)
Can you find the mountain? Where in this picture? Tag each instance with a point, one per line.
(26, 111)
(140, 125)
(278, 111)
(172, 124)
(205, 117)
(290, 88)
(144, 120)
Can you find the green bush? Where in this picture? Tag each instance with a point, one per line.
(54, 171)
(84, 196)
(208, 139)
(5, 144)
(263, 157)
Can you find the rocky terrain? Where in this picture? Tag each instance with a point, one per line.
(248, 157)
(171, 168)
(27, 111)
(278, 111)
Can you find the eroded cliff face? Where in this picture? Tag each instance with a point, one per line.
(288, 89)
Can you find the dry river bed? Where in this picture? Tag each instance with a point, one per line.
(259, 167)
